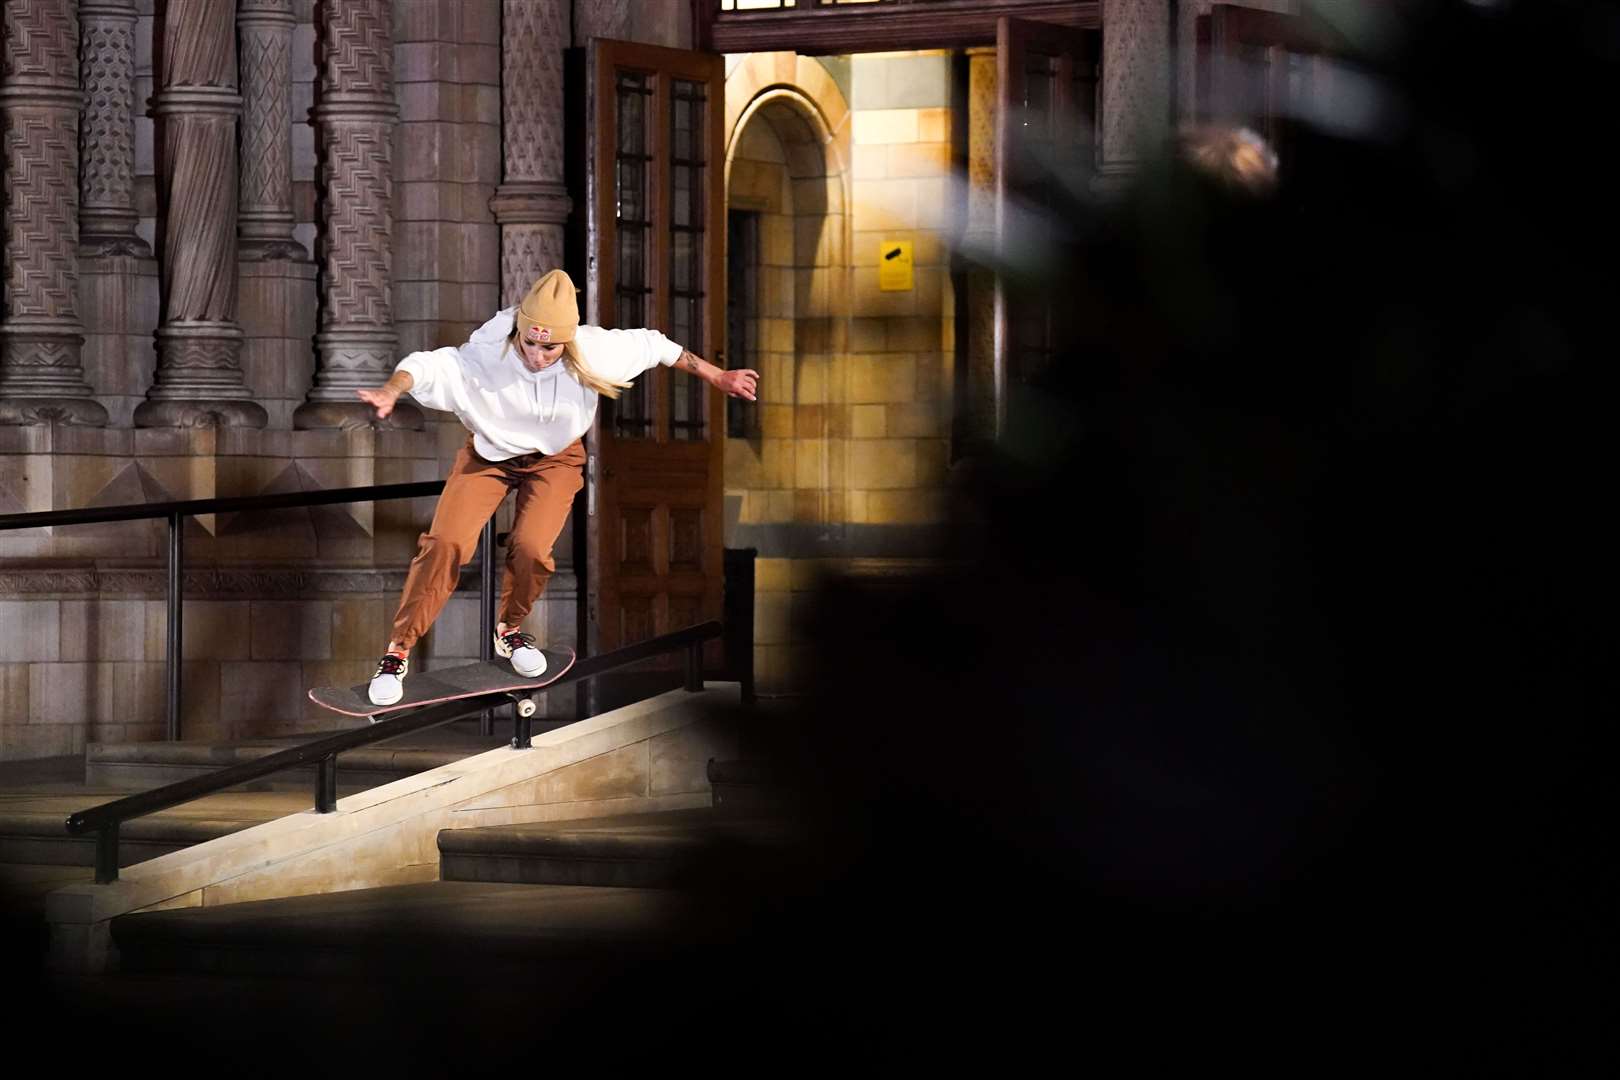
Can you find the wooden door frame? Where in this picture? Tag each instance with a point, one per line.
(604, 59)
(1014, 35)
(814, 29)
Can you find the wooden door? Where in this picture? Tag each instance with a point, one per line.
(1046, 83)
(655, 258)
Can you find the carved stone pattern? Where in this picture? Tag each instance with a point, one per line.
(357, 178)
(1136, 74)
(199, 353)
(602, 18)
(533, 33)
(266, 119)
(107, 141)
(335, 360)
(42, 39)
(42, 211)
(41, 354)
(359, 49)
(527, 251)
(199, 43)
(199, 271)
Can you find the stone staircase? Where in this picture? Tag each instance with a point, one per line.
(532, 929)
(37, 856)
(510, 899)
(614, 941)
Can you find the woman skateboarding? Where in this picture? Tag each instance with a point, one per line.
(525, 385)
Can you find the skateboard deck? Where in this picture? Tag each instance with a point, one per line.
(447, 684)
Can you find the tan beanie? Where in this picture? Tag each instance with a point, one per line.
(552, 306)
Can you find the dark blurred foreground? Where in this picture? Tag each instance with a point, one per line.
(1261, 728)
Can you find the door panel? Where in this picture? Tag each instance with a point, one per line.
(1045, 150)
(655, 242)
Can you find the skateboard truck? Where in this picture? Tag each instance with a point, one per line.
(523, 706)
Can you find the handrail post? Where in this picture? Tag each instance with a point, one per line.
(738, 608)
(694, 666)
(326, 784)
(486, 616)
(176, 603)
(107, 854)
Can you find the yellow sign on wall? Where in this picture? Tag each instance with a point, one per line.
(894, 265)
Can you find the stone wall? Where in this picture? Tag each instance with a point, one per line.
(849, 466)
(275, 602)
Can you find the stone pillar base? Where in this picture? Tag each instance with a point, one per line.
(41, 381)
(356, 415)
(74, 412)
(199, 383)
(110, 231)
(353, 359)
(200, 414)
(1114, 177)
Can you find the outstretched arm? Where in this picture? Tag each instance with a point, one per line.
(384, 396)
(738, 382)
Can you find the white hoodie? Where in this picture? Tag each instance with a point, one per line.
(509, 409)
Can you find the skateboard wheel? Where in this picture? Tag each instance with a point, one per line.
(525, 707)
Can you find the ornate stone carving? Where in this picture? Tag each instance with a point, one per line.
(198, 380)
(41, 380)
(355, 115)
(1136, 85)
(527, 251)
(265, 218)
(532, 205)
(107, 214)
(601, 18)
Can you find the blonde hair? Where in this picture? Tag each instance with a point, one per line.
(574, 361)
(1236, 157)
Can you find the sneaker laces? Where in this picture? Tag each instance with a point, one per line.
(390, 664)
(517, 639)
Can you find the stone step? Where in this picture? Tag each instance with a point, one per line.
(143, 766)
(24, 934)
(747, 785)
(496, 930)
(698, 849)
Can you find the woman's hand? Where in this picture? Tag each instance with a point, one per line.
(382, 399)
(739, 383)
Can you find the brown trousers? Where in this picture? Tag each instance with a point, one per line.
(546, 487)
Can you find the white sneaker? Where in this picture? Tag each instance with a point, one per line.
(518, 646)
(388, 685)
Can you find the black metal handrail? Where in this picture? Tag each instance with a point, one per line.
(91, 515)
(104, 820)
(176, 512)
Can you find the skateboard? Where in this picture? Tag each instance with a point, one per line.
(450, 684)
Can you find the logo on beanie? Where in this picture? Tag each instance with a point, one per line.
(545, 333)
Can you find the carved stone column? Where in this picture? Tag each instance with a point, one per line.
(532, 205)
(1136, 78)
(355, 114)
(107, 213)
(199, 379)
(264, 220)
(41, 379)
